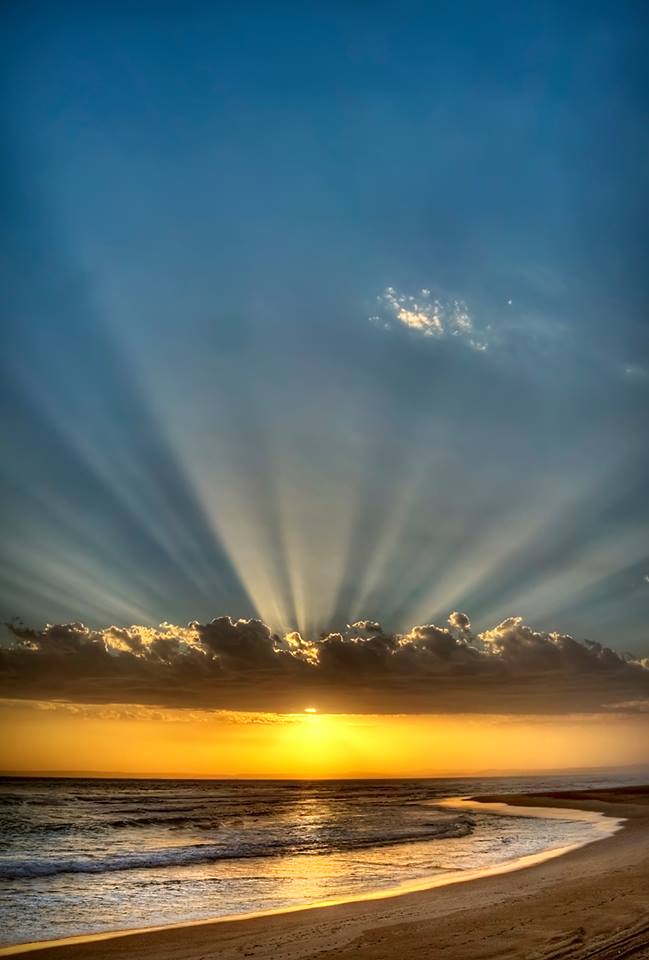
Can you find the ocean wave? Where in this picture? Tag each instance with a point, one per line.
(196, 854)
(194, 819)
(173, 822)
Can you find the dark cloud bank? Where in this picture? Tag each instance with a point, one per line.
(242, 665)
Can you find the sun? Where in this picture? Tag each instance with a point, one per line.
(310, 710)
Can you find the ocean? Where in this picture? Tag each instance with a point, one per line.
(81, 856)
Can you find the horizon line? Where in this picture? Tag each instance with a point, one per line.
(489, 773)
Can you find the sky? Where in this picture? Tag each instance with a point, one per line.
(324, 381)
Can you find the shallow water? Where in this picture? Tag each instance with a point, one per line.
(83, 856)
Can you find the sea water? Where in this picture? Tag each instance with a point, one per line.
(84, 856)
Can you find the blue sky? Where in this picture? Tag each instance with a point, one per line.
(211, 403)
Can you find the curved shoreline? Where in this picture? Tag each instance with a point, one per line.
(157, 941)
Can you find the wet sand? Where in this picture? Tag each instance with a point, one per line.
(589, 904)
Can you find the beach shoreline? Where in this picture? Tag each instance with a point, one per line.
(444, 916)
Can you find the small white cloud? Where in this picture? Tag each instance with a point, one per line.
(429, 316)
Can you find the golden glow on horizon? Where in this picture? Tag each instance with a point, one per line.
(135, 740)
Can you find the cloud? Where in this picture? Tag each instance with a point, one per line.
(517, 329)
(133, 711)
(430, 316)
(630, 706)
(460, 621)
(242, 665)
(635, 371)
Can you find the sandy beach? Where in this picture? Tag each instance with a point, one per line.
(592, 902)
